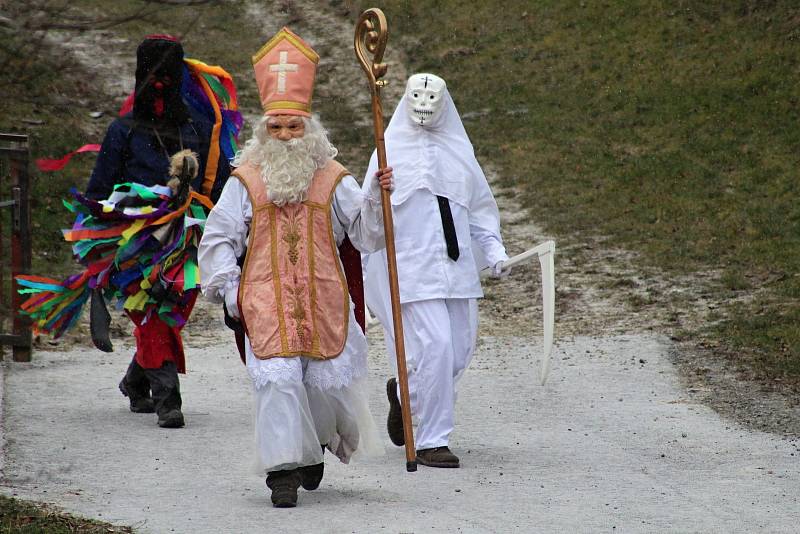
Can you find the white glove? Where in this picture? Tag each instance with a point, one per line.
(231, 298)
(498, 272)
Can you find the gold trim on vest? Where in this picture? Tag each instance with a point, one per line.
(276, 275)
(339, 269)
(315, 346)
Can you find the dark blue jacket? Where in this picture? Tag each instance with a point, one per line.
(132, 153)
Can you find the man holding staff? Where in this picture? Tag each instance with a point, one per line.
(447, 228)
(288, 207)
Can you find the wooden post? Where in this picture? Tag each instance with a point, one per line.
(14, 148)
(21, 250)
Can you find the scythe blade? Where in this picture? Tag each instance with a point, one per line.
(548, 307)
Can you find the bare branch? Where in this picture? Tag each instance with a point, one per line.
(181, 3)
(95, 24)
(25, 29)
(46, 18)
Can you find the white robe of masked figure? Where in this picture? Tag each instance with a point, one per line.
(300, 403)
(438, 295)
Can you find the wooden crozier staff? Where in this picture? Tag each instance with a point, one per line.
(370, 39)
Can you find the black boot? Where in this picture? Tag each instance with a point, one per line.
(311, 475)
(394, 422)
(284, 486)
(166, 395)
(171, 419)
(136, 387)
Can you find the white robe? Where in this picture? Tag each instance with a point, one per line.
(300, 403)
(437, 294)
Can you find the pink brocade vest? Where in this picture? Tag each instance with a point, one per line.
(293, 294)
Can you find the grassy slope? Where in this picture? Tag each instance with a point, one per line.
(671, 127)
(51, 103)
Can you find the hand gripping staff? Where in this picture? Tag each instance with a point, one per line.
(370, 40)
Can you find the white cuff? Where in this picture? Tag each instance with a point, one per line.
(231, 283)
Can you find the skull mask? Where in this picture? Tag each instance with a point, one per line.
(425, 97)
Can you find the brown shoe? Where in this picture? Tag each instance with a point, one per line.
(437, 457)
(284, 486)
(394, 422)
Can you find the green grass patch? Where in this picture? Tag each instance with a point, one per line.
(21, 517)
(766, 336)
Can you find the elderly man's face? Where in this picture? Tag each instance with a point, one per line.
(286, 127)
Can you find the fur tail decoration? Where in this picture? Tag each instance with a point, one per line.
(138, 248)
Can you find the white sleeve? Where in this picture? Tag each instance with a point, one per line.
(484, 224)
(224, 239)
(359, 215)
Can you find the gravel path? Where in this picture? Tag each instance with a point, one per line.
(612, 442)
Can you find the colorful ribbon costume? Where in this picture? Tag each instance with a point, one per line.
(138, 246)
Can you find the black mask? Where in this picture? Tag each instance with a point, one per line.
(159, 73)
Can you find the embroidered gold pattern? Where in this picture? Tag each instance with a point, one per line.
(295, 294)
(292, 238)
(298, 312)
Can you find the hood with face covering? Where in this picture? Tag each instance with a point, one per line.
(437, 157)
(159, 74)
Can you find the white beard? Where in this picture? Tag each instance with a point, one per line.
(287, 170)
(287, 167)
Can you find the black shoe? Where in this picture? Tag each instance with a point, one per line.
(138, 403)
(394, 422)
(437, 457)
(311, 476)
(284, 486)
(171, 419)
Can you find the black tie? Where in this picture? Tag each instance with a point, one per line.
(448, 227)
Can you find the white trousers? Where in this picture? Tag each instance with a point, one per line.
(293, 419)
(302, 403)
(440, 338)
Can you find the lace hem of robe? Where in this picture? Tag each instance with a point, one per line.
(323, 374)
